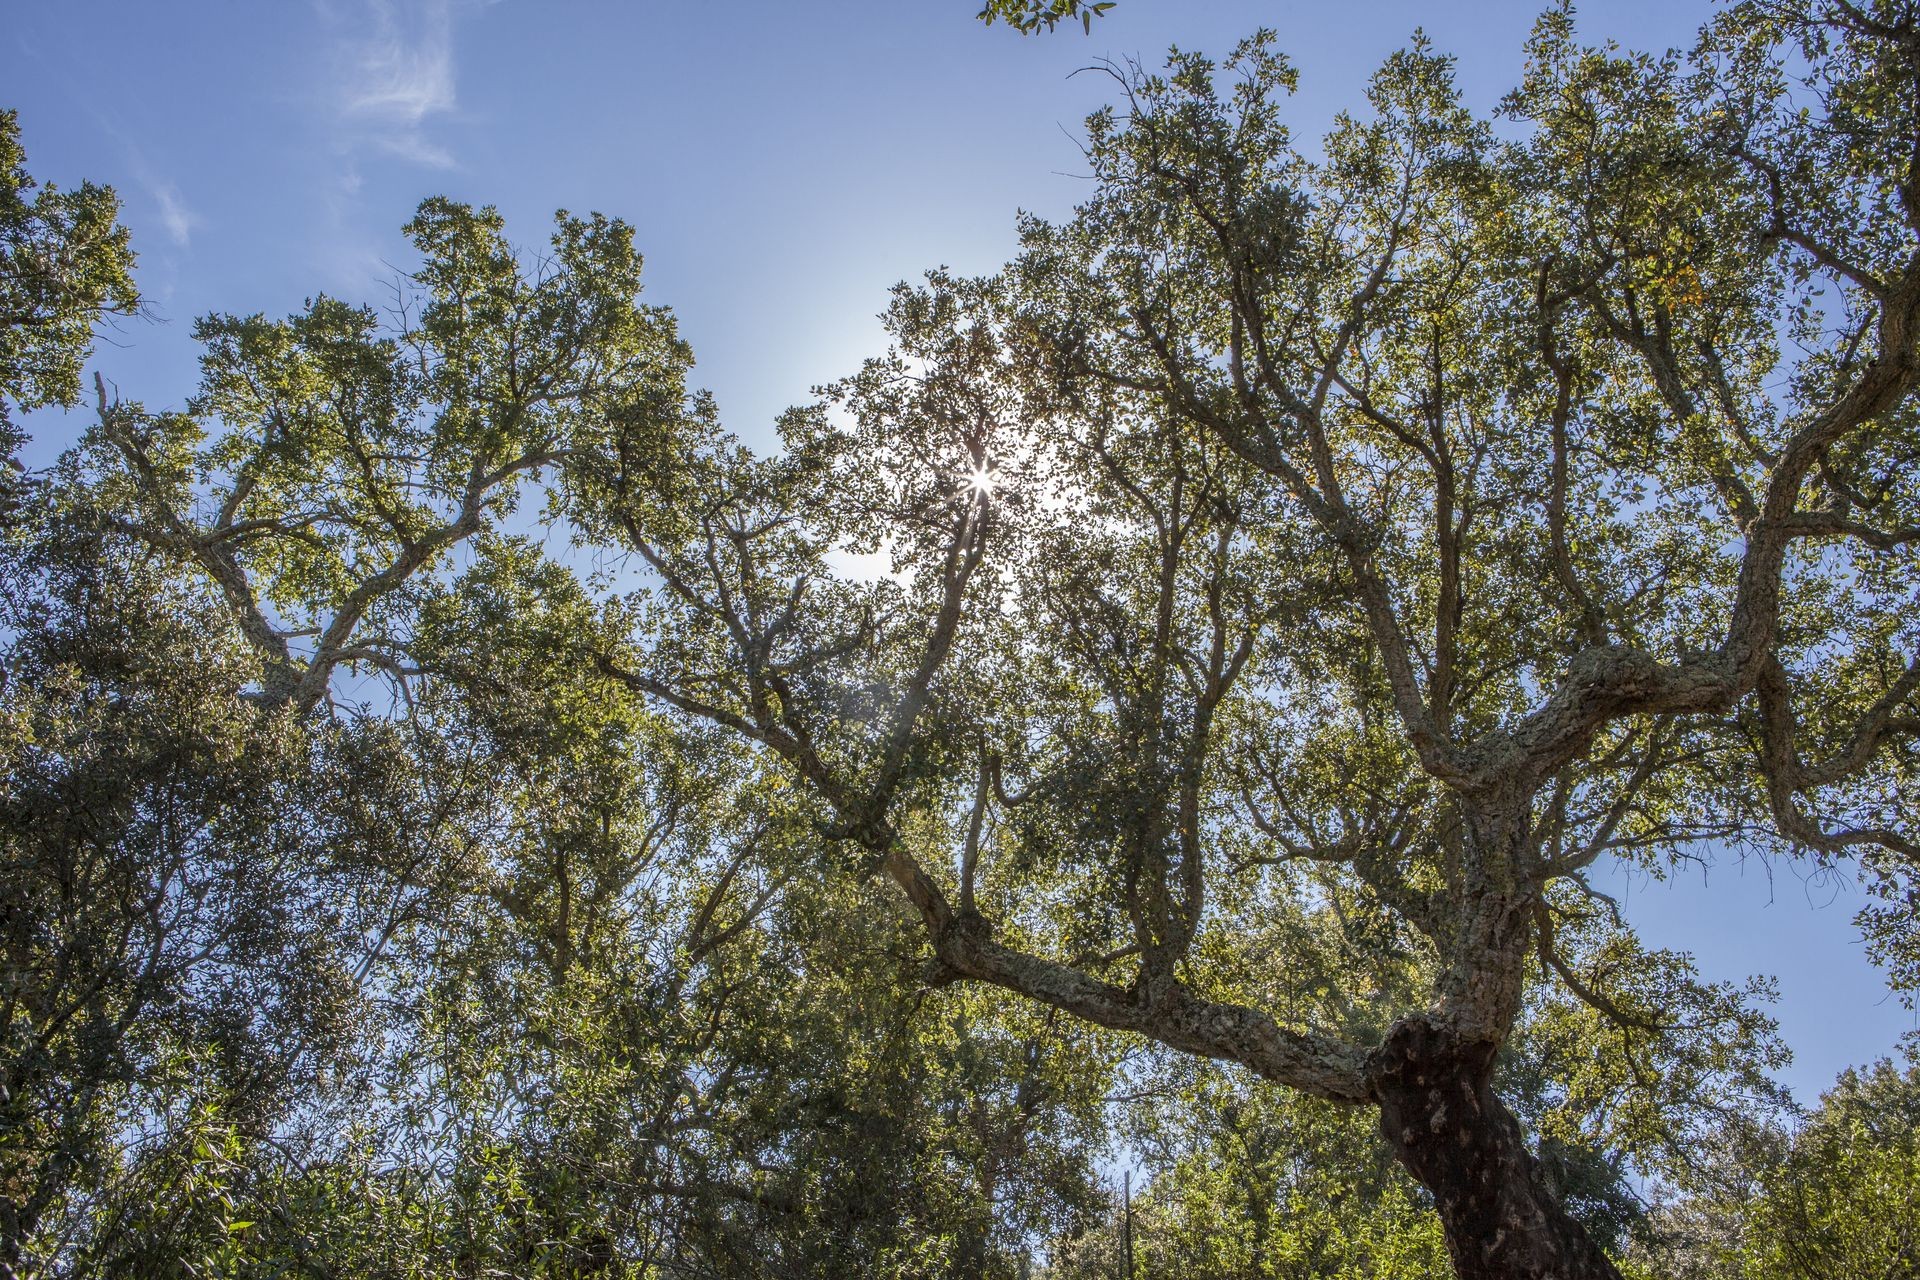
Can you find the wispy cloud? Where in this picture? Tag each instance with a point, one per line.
(396, 74)
(145, 162)
(174, 214)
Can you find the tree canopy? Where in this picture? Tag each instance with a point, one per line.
(459, 820)
(65, 263)
(1029, 16)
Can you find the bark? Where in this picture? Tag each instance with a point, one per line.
(1439, 1113)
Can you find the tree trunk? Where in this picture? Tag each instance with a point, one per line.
(1440, 1114)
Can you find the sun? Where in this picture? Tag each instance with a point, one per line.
(983, 480)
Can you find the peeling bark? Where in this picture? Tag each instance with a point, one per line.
(1442, 1118)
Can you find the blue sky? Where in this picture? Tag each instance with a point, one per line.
(782, 164)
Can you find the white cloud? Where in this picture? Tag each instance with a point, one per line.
(396, 73)
(174, 214)
(405, 63)
(413, 146)
(145, 163)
